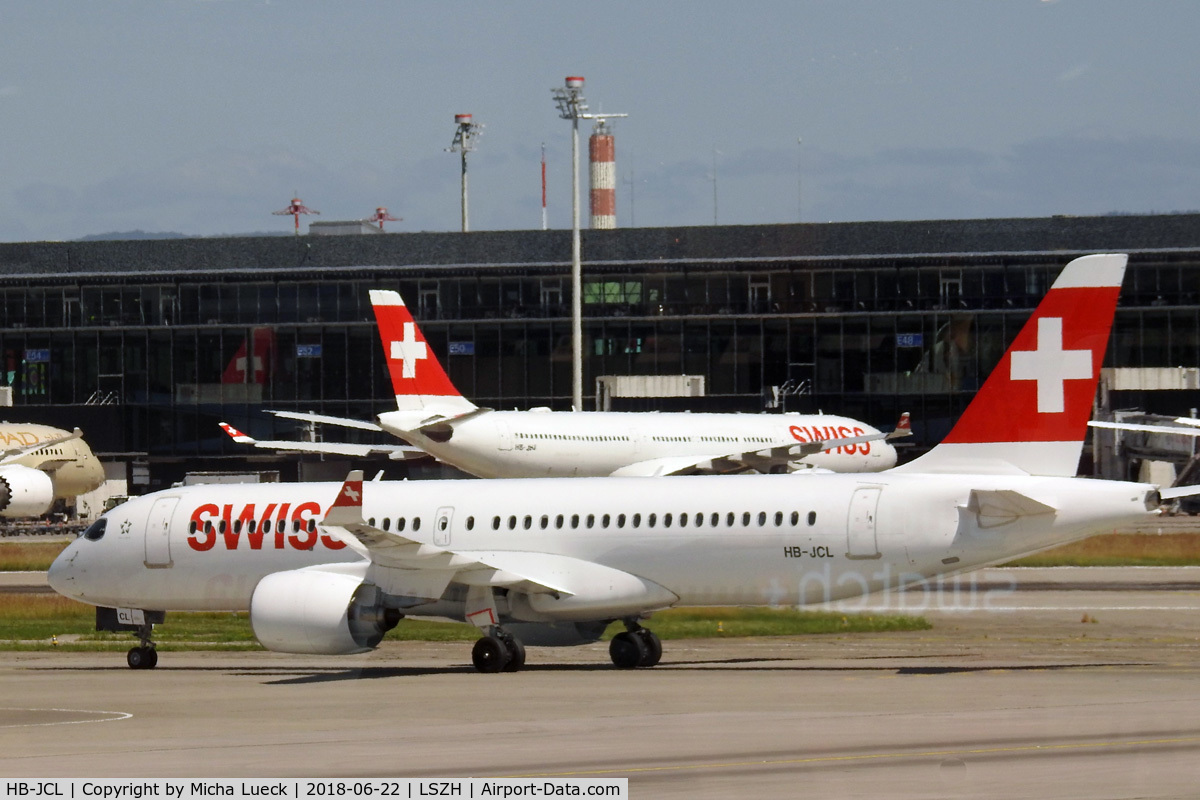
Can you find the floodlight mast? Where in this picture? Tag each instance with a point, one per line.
(465, 135)
(573, 106)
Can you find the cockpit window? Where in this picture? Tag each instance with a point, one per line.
(95, 531)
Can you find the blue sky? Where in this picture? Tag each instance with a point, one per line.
(203, 116)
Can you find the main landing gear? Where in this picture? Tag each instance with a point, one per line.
(144, 656)
(635, 647)
(498, 652)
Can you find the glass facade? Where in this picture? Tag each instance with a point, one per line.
(148, 364)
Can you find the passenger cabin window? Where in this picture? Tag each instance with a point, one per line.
(666, 520)
(620, 520)
(387, 523)
(637, 520)
(401, 523)
(470, 523)
(812, 518)
(416, 523)
(495, 523)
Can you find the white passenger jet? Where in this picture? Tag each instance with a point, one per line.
(330, 568)
(40, 464)
(435, 417)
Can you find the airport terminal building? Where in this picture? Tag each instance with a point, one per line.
(146, 345)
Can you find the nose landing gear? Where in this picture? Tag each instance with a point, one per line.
(145, 656)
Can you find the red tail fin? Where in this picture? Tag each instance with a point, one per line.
(1033, 409)
(417, 377)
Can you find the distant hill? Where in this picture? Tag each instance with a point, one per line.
(132, 235)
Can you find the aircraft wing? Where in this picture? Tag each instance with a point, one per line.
(762, 460)
(392, 451)
(10, 454)
(1130, 426)
(405, 566)
(343, 422)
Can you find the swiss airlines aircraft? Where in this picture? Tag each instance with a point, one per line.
(432, 415)
(329, 568)
(40, 464)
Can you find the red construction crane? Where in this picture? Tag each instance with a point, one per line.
(295, 209)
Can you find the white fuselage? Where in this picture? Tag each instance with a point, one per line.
(564, 444)
(72, 466)
(762, 540)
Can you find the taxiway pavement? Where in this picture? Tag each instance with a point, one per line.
(1076, 685)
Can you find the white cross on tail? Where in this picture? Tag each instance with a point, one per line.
(1051, 366)
(408, 351)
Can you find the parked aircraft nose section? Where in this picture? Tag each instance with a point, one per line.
(64, 572)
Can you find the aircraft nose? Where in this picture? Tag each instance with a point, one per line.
(62, 572)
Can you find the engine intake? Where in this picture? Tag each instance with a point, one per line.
(310, 611)
(24, 491)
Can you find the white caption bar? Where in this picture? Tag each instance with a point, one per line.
(312, 789)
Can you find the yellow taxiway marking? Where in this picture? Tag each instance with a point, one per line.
(1043, 748)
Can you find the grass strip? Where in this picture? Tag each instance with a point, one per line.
(33, 621)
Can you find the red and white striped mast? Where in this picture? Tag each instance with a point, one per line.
(544, 222)
(602, 159)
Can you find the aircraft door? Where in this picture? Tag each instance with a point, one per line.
(158, 532)
(441, 526)
(860, 524)
(504, 434)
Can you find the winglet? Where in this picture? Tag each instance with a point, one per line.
(347, 506)
(903, 428)
(236, 435)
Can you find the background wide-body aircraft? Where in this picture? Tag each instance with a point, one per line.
(330, 568)
(40, 464)
(434, 416)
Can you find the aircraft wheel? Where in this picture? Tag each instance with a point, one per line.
(627, 650)
(653, 647)
(490, 654)
(142, 658)
(516, 654)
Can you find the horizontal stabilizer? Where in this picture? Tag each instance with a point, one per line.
(1130, 426)
(1179, 491)
(1001, 506)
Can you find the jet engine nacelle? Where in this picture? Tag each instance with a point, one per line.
(24, 491)
(311, 611)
